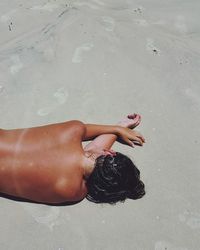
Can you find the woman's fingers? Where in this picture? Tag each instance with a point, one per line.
(141, 137)
(136, 119)
(137, 140)
(128, 141)
(131, 143)
(137, 134)
(134, 116)
(137, 143)
(131, 137)
(139, 120)
(131, 116)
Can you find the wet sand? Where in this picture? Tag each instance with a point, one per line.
(97, 61)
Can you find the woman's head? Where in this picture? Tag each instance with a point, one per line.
(114, 178)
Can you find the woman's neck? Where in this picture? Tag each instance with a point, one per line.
(89, 163)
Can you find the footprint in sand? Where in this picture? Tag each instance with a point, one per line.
(193, 96)
(164, 245)
(180, 24)
(46, 7)
(48, 216)
(60, 96)
(45, 111)
(109, 23)
(141, 22)
(6, 18)
(87, 4)
(77, 57)
(93, 4)
(150, 47)
(17, 64)
(190, 219)
(138, 10)
(1, 89)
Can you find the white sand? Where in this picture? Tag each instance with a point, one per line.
(96, 61)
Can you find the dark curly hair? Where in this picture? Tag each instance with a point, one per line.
(114, 179)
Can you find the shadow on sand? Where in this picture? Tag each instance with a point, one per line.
(14, 198)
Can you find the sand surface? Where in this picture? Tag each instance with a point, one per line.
(98, 60)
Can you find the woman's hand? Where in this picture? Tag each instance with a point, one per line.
(130, 121)
(130, 137)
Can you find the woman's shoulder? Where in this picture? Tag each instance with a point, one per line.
(75, 128)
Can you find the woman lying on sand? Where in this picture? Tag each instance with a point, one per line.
(48, 164)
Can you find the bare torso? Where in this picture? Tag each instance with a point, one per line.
(43, 164)
(48, 164)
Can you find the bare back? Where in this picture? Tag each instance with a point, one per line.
(43, 163)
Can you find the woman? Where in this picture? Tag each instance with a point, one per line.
(48, 164)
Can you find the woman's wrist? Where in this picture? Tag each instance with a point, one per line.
(122, 124)
(118, 129)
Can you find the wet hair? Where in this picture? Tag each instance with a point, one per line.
(114, 178)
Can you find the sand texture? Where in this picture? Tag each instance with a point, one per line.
(98, 60)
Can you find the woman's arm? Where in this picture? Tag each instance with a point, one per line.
(94, 130)
(105, 141)
(101, 142)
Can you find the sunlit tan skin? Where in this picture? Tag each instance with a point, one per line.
(48, 164)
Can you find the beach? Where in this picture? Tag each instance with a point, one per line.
(98, 61)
